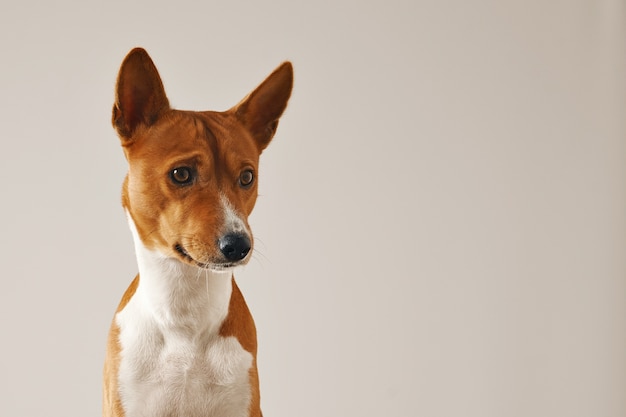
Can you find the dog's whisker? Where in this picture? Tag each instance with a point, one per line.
(206, 280)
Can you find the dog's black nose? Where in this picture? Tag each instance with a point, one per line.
(234, 246)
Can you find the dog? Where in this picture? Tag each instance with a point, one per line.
(183, 342)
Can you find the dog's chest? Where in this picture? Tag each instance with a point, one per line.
(164, 373)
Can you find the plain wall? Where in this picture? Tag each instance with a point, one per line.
(441, 229)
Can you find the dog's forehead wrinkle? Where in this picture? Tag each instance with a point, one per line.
(234, 145)
(214, 130)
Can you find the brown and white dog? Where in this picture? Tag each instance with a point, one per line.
(183, 342)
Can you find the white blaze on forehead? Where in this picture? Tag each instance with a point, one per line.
(233, 223)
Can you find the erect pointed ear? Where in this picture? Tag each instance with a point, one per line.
(261, 109)
(140, 97)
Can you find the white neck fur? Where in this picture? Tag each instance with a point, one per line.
(179, 296)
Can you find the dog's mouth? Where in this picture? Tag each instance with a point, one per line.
(214, 266)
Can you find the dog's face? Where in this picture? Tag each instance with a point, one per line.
(192, 179)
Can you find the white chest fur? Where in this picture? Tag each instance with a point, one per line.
(173, 361)
(166, 373)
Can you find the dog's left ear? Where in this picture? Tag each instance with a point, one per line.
(260, 110)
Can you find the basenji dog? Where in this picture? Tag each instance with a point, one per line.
(183, 342)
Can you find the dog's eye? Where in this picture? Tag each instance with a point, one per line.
(246, 178)
(182, 176)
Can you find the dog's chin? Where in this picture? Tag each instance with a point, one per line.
(211, 265)
(219, 267)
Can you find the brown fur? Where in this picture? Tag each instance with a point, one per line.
(157, 139)
(111, 404)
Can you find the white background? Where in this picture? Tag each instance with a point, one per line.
(442, 226)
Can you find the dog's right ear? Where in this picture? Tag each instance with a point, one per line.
(140, 97)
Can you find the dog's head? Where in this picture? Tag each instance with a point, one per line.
(192, 179)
